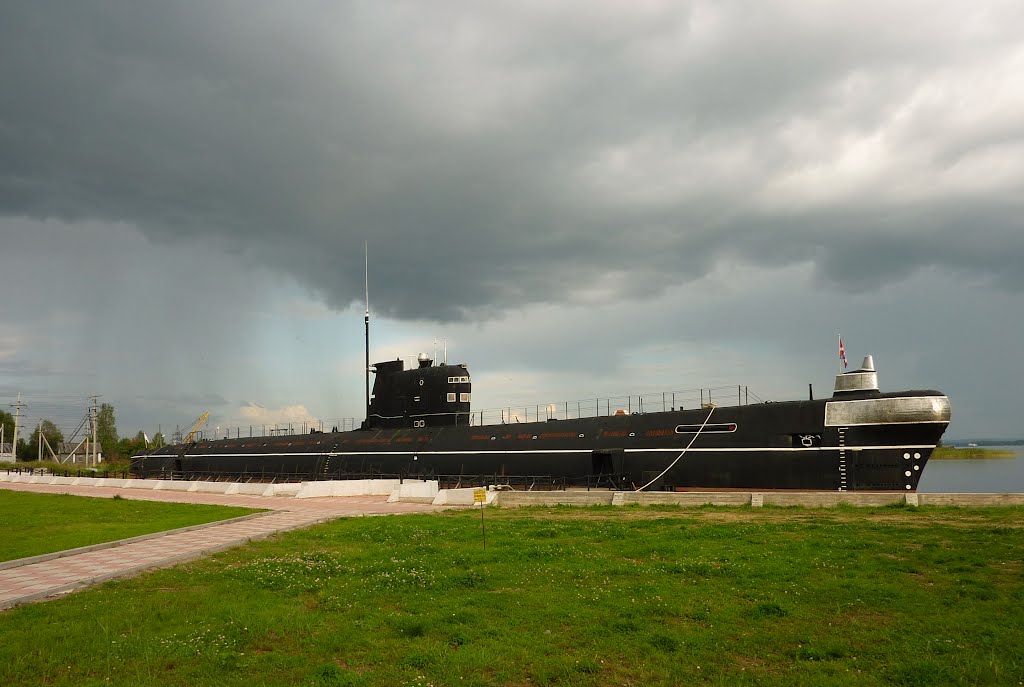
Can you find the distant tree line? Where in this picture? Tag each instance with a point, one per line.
(112, 446)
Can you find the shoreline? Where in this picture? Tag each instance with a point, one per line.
(970, 453)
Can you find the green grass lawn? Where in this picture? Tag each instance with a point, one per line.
(561, 596)
(969, 453)
(42, 523)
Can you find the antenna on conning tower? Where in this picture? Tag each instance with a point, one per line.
(366, 321)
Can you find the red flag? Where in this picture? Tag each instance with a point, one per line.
(842, 353)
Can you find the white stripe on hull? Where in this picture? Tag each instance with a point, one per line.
(332, 454)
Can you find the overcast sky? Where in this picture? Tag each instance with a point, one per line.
(584, 199)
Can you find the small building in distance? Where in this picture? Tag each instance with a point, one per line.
(6, 452)
(80, 453)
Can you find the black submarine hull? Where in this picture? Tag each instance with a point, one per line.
(877, 443)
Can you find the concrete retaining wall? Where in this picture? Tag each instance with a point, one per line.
(349, 487)
(692, 498)
(554, 498)
(768, 498)
(830, 499)
(971, 499)
(427, 491)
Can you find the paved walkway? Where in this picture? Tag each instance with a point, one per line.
(40, 579)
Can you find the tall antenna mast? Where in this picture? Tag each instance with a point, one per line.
(366, 321)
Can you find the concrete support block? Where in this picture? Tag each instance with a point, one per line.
(414, 492)
(209, 487)
(142, 484)
(912, 499)
(175, 485)
(288, 489)
(828, 499)
(63, 480)
(110, 482)
(462, 497)
(40, 479)
(554, 498)
(348, 487)
(686, 498)
(756, 500)
(85, 481)
(250, 489)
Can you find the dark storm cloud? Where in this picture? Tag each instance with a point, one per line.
(496, 157)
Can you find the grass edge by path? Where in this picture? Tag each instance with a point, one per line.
(44, 523)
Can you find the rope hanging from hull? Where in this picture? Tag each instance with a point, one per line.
(672, 464)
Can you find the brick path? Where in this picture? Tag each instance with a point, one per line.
(41, 579)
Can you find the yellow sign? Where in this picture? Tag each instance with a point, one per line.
(479, 496)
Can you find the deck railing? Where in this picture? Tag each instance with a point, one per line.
(616, 405)
(514, 414)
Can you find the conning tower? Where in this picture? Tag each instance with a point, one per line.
(862, 383)
(426, 396)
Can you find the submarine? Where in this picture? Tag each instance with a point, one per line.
(419, 425)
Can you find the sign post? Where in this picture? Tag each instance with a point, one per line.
(480, 496)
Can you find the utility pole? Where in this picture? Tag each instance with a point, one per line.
(43, 441)
(95, 432)
(366, 320)
(94, 416)
(17, 417)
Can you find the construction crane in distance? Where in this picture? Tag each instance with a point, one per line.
(190, 435)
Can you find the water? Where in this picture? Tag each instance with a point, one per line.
(992, 475)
